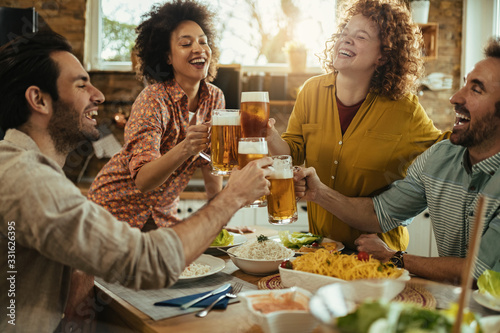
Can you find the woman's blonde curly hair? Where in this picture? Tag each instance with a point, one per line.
(401, 44)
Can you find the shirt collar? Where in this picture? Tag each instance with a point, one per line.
(330, 80)
(175, 90)
(21, 139)
(489, 166)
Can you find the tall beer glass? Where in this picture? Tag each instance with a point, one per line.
(255, 111)
(250, 149)
(281, 203)
(226, 131)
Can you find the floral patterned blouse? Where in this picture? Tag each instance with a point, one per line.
(158, 121)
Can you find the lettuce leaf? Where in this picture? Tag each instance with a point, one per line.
(224, 238)
(295, 240)
(489, 282)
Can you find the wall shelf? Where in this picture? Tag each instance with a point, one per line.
(430, 33)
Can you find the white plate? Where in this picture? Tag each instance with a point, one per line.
(216, 265)
(491, 324)
(487, 302)
(238, 240)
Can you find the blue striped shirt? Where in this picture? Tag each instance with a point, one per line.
(443, 180)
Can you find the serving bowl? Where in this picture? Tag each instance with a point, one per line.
(359, 290)
(281, 321)
(258, 266)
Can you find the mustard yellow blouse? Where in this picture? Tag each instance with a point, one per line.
(381, 142)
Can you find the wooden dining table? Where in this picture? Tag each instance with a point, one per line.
(117, 315)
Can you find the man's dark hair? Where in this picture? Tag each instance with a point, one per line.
(26, 62)
(153, 39)
(492, 49)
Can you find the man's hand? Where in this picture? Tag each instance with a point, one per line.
(197, 138)
(372, 244)
(240, 229)
(250, 183)
(307, 183)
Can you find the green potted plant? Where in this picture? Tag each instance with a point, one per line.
(296, 55)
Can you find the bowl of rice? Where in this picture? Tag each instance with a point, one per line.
(260, 257)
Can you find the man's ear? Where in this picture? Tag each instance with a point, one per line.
(38, 101)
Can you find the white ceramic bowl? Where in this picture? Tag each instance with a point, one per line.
(258, 266)
(362, 289)
(285, 321)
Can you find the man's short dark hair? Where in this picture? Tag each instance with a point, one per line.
(492, 49)
(26, 62)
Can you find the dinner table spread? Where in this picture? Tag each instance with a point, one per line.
(125, 310)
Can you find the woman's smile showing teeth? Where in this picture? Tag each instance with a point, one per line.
(346, 53)
(198, 62)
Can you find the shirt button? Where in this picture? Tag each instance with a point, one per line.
(333, 177)
(335, 162)
(340, 142)
(472, 188)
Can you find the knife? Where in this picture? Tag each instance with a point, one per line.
(216, 291)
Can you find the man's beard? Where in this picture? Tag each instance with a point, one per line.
(474, 136)
(66, 130)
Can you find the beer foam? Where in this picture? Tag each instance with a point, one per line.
(248, 147)
(282, 173)
(255, 96)
(227, 119)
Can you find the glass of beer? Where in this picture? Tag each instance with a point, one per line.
(250, 149)
(281, 203)
(225, 134)
(255, 111)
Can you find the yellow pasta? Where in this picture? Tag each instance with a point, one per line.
(345, 267)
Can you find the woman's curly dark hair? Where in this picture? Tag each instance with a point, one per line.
(153, 40)
(401, 45)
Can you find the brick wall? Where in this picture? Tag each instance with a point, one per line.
(448, 13)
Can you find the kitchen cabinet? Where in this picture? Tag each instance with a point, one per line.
(422, 240)
(430, 33)
(249, 216)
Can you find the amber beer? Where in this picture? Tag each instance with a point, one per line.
(250, 149)
(226, 131)
(281, 203)
(255, 111)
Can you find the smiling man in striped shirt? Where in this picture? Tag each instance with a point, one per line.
(448, 178)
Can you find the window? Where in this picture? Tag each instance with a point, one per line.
(252, 32)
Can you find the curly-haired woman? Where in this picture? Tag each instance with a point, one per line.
(166, 129)
(359, 125)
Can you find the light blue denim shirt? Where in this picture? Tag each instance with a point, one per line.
(443, 180)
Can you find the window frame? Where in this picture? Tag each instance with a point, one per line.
(92, 62)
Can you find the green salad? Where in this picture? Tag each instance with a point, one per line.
(224, 238)
(296, 240)
(394, 317)
(489, 283)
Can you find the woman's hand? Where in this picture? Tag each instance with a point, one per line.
(307, 183)
(197, 139)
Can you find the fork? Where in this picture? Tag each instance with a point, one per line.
(233, 294)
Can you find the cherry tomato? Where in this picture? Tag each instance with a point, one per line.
(286, 264)
(363, 256)
(314, 244)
